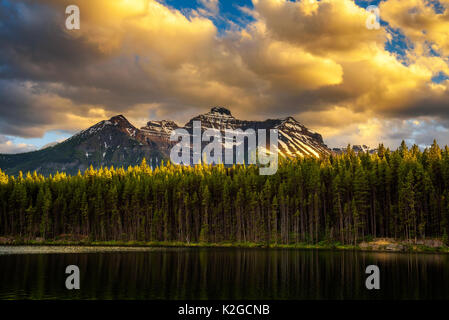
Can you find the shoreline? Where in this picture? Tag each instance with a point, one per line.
(378, 245)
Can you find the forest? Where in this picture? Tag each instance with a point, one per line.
(402, 194)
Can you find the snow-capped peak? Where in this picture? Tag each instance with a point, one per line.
(119, 121)
(160, 126)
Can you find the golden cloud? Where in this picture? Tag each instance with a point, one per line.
(315, 59)
(419, 22)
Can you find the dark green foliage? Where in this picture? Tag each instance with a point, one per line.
(345, 198)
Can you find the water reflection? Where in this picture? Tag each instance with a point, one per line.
(136, 273)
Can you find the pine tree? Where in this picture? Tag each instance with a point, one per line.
(402, 194)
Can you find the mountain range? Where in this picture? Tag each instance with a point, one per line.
(116, 142)
(356, 148)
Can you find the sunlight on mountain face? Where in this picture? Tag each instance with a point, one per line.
(335, 138)
(315, 60)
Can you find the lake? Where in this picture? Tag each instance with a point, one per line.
(218, 273)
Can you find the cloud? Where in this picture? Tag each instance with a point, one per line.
(211, 7)
(325, 28)
(425, 26)
(8, 146)
(313, 59)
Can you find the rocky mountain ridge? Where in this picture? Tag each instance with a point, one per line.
(356, 148)
(116, 142)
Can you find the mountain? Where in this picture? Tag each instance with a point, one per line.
(356, 148)
(110, 142)
(118, 143)
(294, 138)
(48, 145)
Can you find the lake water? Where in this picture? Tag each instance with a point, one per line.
(218, 273)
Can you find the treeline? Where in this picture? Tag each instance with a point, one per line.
(345, 198)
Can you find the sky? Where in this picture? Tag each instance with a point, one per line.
(170, 59)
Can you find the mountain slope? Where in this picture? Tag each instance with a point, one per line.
(294, 138)
(111, 142)
(117, 142)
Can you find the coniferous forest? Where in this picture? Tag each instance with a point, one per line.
(400, 194)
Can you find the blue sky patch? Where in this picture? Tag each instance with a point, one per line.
(440, 77)
(229, 12)
(49, 136)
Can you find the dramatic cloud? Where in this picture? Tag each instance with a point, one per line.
(421, 21)
(315, 60)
